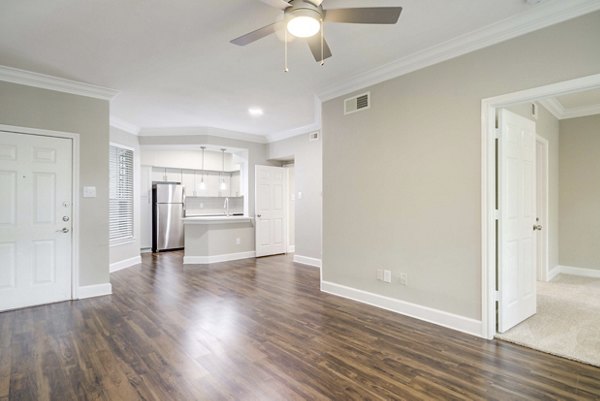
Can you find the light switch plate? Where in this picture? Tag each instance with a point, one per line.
(89, 192)
(299, 195)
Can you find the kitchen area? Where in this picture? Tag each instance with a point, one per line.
(196, 199)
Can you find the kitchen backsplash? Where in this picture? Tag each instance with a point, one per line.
(204, 205)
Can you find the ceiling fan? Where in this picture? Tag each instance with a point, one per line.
(305, 18)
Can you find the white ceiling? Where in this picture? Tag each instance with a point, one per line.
(174, 65)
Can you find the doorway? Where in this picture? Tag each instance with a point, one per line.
(38, 214)
(492, 291)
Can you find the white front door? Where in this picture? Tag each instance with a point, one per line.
(35, 220)
(516, 235)
(270, 210)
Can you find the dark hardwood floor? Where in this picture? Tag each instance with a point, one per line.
(258, 330)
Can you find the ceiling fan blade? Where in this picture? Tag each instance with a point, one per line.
(314, 43)
(315, 2)
(368, 15)
(280, 4)
(257, 34)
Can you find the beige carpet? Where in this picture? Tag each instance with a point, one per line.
(567, 322)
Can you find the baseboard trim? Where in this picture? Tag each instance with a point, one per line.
(435, 316)
(578, 271)
(553, 273)
(96, 290)
(305, 260)
(291, 248)
(124, 264)
(205, 260)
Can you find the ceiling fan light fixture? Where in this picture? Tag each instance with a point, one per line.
(304, 24)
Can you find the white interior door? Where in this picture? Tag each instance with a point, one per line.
(516, 236)
(35, 220)
(270, 210)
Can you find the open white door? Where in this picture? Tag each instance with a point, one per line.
(35, 220)
(270, 210)
(516, 235)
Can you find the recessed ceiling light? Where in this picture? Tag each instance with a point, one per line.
(255, 111)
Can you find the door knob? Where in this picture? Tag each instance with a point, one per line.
(63, 230)
(537, 227)
(259, 215)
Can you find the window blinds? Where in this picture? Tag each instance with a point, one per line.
(120, 193)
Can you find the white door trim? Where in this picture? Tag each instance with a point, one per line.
(542, 272)
(75, 200)
(488, 184)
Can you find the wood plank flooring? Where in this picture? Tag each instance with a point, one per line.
(258, 330)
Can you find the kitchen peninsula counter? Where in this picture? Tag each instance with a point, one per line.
(213, 239)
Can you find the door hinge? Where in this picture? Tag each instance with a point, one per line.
(496, 214)
(498, 133)
(497, 296)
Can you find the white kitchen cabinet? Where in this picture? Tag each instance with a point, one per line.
(173, 174)
(226, 177)
(189, 182)
(212, 183)
(235, 188)
(161, 174)
(199, 190)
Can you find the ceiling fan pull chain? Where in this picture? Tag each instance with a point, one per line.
(285, 69)
(322, 36)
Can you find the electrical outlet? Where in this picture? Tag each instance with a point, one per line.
(238, 241)
(403, 279)
(380, 274)
(387, 276)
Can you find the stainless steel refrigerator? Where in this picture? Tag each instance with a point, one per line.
(168, 209)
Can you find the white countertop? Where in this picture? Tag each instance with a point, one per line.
(217, 219)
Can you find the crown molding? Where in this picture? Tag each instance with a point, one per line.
(280, 136)
(123, 125)
(541, 16)
(192, 131)
(583, 111)
(23, 77)
(555, 107)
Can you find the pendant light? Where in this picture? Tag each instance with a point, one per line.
(223, 186)
(202, 184)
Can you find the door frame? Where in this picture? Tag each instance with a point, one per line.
(542, 271)
(75, 148)
(488, 183)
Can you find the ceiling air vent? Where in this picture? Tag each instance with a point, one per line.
(357, 103)
(313, 136)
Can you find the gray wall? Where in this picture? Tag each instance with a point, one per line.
(130, 249)
(27, 106)
(547, 126)
(308, 172)
(580, 192)
(402, 180)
